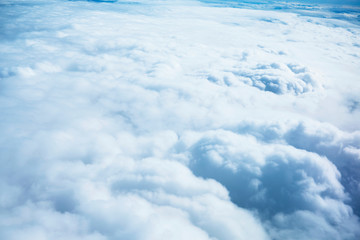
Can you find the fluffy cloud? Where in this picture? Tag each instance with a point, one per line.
(279, 180)
(175, 120)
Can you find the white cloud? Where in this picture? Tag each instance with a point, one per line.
(176, 120)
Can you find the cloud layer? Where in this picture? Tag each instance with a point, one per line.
(178, 120)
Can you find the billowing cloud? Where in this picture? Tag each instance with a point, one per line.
(178, 120)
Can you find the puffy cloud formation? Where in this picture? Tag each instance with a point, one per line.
(178, 120)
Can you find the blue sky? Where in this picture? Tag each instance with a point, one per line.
(344, 2)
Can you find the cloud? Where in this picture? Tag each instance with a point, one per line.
(178, 119)
(279, 178)
(305, 224)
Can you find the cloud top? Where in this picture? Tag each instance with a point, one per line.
(178, 120)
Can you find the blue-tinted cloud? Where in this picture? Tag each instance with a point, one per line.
(177, 120)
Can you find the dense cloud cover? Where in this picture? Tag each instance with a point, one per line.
(178, 120)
